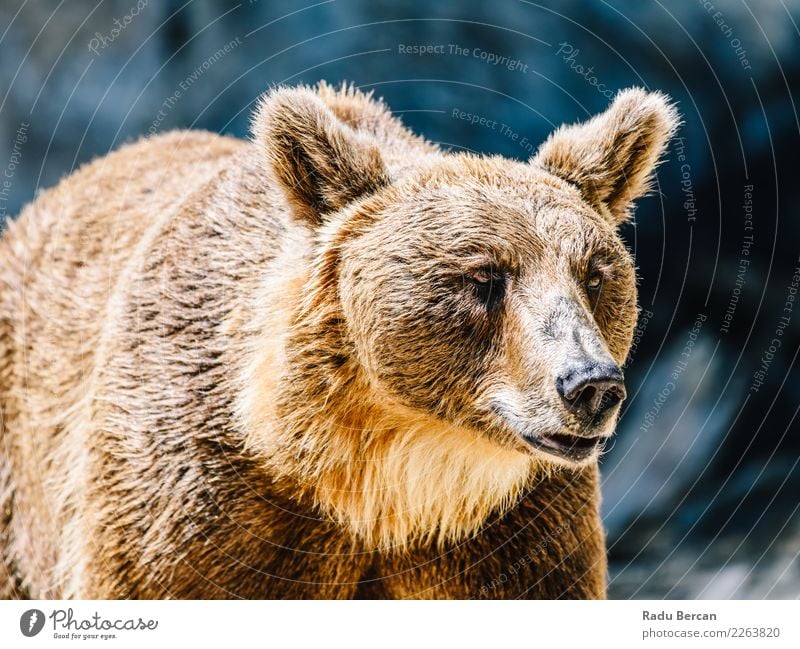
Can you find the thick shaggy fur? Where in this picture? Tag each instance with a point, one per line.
(256, 369)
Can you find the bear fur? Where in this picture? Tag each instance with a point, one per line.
(259, 369)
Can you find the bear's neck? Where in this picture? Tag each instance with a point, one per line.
(389, 474)
(392, 475)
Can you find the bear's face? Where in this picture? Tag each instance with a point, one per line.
(490, 294)
(479, 287)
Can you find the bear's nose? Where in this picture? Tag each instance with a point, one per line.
(592, 390)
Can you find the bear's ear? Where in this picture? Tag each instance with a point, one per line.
(611, 157)
(322, 163)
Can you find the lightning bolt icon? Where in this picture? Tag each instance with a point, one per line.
(32, 620)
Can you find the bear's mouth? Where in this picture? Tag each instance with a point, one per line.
(569, 447)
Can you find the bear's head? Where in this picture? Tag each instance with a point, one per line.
(485, 294)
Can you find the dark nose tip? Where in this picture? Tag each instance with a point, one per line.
(592, 390)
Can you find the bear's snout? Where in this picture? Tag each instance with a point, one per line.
(591, 391)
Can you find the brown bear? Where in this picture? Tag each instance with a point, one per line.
(333, 362)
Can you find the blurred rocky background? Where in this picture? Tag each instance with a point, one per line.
(702, 484)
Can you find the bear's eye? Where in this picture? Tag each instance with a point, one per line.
(490, 286)
(593, 285)
(594, 281)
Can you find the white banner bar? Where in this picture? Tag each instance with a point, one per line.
(517, 625)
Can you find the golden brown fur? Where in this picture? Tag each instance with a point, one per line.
(233, 369)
